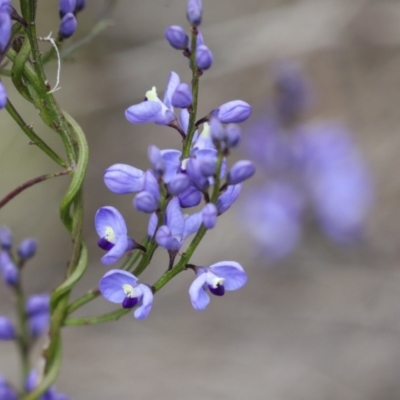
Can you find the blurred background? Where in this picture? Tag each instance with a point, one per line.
(321, 323)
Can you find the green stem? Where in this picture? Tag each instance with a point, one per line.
(28, 184)
(5, 72)
(35, 139)
(195, 94)
(98, 319)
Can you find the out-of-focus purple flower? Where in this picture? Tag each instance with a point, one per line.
(293, 91)
(337, 179)
(209, 214)
(6, 392)
(217, 131)
(177, 226)
(7, 330)
(177, 37)
(123, 179)
(6, 238)
(233, 135)
(228, 197)
(5, 5)
(5, 25)
(240, 171)
(27, 248)
(111, 227)
(204, 57)
(66, 6)
(153, 109)
(9, 270)
(37, 308)
(156, 161)
(194, 12)
(225, 275)
(3, 95)
(148, 200)
(273, 218)
(233, 112)
(79, 5)
(121, 287)
(68, 26)
(182, 97)
(50, 394)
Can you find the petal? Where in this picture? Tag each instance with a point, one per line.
(174, 217)
(184, 119)
(38, 324)
(228, 198)
(190, 197)
(147, 111)
(164, 237)
(151, 184)
(145, 202)
(173, 82)
(172, 163)
(233, 273)
(120, 247)
(143, 311)
(109, 217)
(122, 179)
(198, 296)
(192, 224)
(151, 228)
(111, 284)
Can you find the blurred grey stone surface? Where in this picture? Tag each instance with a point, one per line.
(323, 324)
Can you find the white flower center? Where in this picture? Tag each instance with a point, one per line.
(128, 290)
(152, 95)
(216, 281)
(110, 235)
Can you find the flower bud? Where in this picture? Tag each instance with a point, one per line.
(79, 5)
(182, 97)
(209, 215)
(156, 160)
(234, 112)
(194, 173)
(190, 197)
(208, 165)
(5, 238)
(67, 26)
(145, 202)
(6, 392)
(217, 130)
(240, 171)
(5, 29)
(233, 135)
(27, 249)
(8, 269)
(178, 184)
(123, 179)
(38, 304)
(204, 57)
(38, 324)
(66, 6)
(7, 330)
(3, 96)
(194, 12)
(177, 37)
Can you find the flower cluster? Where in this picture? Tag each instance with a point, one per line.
(37, 307)
(176, 180)
(309, 167)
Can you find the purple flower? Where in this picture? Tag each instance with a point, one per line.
(177, 37)
(79, 5)
(148, 200)
(27, 248)
(9, 270)
(6, 238)
(3, 92)
(123, 179)
(121, 287)
(273, 218)
(182, 97)
(7, 330)
(209, 215)
(233, 112)
(68, 26)
(240, 171)
(6, 392)
(178, 184)
(225, 275)
(66, 6)
(111, 227)
(191, 197)
(233, 135)
(5, 25)
(228, 197)
(204, 57)
(37, 308)
(194, 12)
(156, 160)
(193, 170)
(153, 109)
(177, 226)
